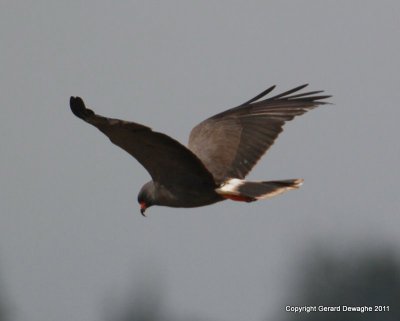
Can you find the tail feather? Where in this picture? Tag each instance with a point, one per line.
(241, 190)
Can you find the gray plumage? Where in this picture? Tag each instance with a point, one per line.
(222, 147)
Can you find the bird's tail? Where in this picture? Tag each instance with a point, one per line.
(247, 191)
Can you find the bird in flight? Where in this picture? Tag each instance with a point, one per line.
(221, 150)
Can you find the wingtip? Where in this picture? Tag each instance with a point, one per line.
(78, 107)
(303, 86)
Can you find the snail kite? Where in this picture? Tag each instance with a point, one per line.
(221, 151)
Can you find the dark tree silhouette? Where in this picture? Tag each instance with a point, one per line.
(4, 306)
(357, 279)
(144, 303)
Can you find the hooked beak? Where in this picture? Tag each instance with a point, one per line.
(143, 208)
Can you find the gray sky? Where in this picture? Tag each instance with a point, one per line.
(71, 235)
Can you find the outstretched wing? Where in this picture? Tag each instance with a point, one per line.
(230, 143)
(167, 161)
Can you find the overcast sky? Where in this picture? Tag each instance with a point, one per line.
(72, 240)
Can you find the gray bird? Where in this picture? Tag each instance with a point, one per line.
(221, 151)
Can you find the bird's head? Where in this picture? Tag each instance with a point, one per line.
(146, 197)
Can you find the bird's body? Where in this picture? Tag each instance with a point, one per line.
(185, 195)
(221, 151)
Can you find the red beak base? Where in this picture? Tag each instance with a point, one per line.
(143, 208)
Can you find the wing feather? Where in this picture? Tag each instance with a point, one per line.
(167, 161)
(230, 143)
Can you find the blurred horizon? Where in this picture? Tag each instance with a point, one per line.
(320, 276)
